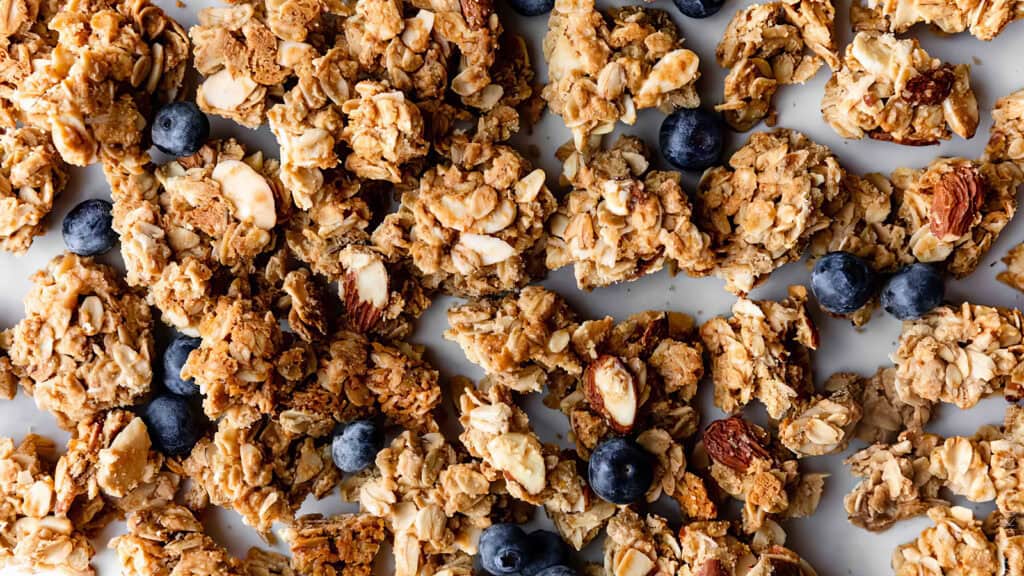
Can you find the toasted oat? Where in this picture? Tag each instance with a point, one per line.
(762, 352)
(983, 20)
(770, 45)
(604, 66)
(346, 544)
(621, 222)
(32, 174)
(891, 89)
(764, 207)
(954, 545)
(85, 343)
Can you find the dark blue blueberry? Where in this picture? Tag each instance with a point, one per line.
(913, 291)
(557, 571)
(532, 7)
(174, 425)
(699, 8)
(180, 129)
(174, 358)
(88, 228)
(842, 282)
(546, 549)
(356, 446)
(691, 139)
(504, 549)
(620, 471)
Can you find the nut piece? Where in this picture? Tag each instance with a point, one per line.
(364, 287)
(956, 202)
(735, 443)
(519, 456)
(249, 192)
(612, 390)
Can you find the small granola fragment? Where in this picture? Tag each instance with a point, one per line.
(885, 415)
(384, 130)
(824, 424)
(85, 343)
(962, 464)
(891, 89)
(32, 174)
(954, 545)
(1014, 274)
(638, 544)
(762, 352)
(984, 20)
(1009, 541)
(473, 226)
(897, 483)
(1006, 139)
(770, 45)
(764, 207)
(344, 544)
(621, 222)
(604, 66)
(708, 549)
(1005, 469)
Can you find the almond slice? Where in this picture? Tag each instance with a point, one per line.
(519, 457)
(222, 91)
(611, 390)
(491, 250)
(248, 191)
(364, 287)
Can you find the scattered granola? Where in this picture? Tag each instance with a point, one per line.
(770, 45)
(32, 174)
(983, 20)
(604, 66)
(891, 89)
(954, 545)
(621, 221)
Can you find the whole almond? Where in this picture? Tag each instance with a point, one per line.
(956, 202)
(735, 443)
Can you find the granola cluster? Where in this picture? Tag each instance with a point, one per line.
(769, 45)
(32, 175)
(891, 89)
(983, 20)
(605, 66)
(956, 544)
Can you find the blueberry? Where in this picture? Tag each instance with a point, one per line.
(174, 358)
(699, 8)
(356, 447)
(546, 549)
(180, 129)
(557, 571)
(532, 7)
(620, 471)
(691, 139)
(913, 291)
(504, 549)
(88, 228)
(842, 282)
(174, 426)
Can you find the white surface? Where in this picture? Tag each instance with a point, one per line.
(827, 540)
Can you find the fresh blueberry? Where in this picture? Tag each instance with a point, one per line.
(174, 358)
(557, 571)
(504, 549)
(913, 291)
(547, 549)
(691, 139)
(532, 7)
(699, 8)
(174, 426)
(356, 446)
(88, 228)
(842, 282)
(620, 471)
(180, 129)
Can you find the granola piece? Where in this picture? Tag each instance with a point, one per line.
(891, 89)
(897, 482)
(762, 352)
(621, 222)
(344, 544)
(954, 545)
(1007, 453)
(963, 466)
(404, 385)
(765, 206)
(885, 414)
(384, 130)
(984, 20)
(380, 296)
(1009, 541)
(1006, 138)
(85, 343)
(747, 465)
(114, 62)
(640, 545)
(604, 66)
(32, 174)
(335, 213)
(959, 355)
(824, 424)
(708, 549)
(770, 45)
(25, 38)
(519, 339)
(1013, 276)
(473, 226)
(35, 536)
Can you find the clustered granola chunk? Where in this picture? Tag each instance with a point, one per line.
(85, 344)
(605, 66)
(32, 175)
(885, 415)
(622, 221)
(984, 20)
(343, 544)
(770, 45)
(891, 89)
(824, 424)
(956, 544)
(763, 208)
(1006, 138)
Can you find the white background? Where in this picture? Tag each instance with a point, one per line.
(827, 540)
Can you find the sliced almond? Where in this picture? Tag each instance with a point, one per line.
(633, 562)
(529, 186)
(248, 191)
(616, 194)
(364, 287)
(222, 91)
(611, 390)
(491, 250)
(519, 457)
